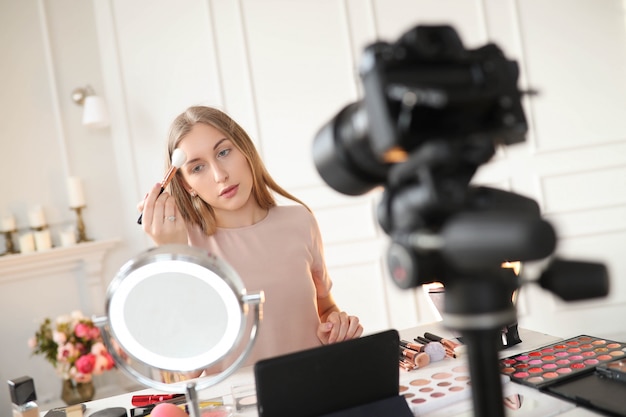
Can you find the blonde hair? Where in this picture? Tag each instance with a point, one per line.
(195, 210)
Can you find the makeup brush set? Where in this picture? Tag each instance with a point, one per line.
(426, 349)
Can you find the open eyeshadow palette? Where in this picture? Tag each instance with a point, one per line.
(562, 360)
(438, 389)
(443, 386)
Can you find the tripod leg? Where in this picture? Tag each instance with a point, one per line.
(479, 306)
(486, 380)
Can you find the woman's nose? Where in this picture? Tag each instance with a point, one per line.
(219, 174)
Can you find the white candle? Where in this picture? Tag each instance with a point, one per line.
(43, 240)
(27, 243)
(68, 237)
(8, 223)
(77, 196)
(36, 217)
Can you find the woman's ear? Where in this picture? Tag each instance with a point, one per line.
(192, 192)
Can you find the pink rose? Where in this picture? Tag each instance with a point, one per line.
(94, 333)
(110, 360)
(98, 348)
(81, 330)
(103, 363)
(59, 337)
(85, 364)
(65, 352)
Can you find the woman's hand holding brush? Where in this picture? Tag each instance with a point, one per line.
(178, 159)
(160, 217)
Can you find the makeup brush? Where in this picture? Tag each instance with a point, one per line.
(416, 359)
(418, 347)
(178, 159)
(435, 350)
(449, 344)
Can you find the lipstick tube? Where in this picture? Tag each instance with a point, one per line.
(144, 400)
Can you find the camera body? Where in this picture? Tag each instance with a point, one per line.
(425, 86)
(428, 86)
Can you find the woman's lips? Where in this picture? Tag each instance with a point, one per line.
(229, 191)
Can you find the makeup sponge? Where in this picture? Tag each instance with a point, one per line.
(435, 350)
(171, 410)
(167, 410)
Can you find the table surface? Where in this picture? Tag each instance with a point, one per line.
(530, 340)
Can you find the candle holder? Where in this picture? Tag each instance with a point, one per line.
(80, 225)
(9, 246)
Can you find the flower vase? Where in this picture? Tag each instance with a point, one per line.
(77, 392)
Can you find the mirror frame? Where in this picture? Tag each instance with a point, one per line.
(230, 287)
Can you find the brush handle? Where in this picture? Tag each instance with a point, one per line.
(447, 343)
(139, 220)
(422, 340)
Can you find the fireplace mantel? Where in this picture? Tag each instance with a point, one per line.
(83, 261)
(88, 255)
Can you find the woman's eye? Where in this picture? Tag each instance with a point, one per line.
(197, 169)
(223, 153)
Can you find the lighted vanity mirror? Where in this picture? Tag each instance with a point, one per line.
(175, 308)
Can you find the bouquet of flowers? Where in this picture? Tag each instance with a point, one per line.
(73, 345)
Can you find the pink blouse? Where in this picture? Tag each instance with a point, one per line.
(283, 256)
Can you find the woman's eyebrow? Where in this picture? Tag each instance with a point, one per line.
(219, 142)
(191, 161)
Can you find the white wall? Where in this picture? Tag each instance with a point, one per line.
(283, 69)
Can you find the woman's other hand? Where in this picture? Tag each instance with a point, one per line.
(161, 219)
(339, 326)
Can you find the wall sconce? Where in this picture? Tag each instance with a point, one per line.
(95, 113)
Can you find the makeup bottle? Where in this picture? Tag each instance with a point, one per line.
(23, 397)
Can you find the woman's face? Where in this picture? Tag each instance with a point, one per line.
(216, 170)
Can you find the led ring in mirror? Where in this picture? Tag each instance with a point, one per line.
(154, 316)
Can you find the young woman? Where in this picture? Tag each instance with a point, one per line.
(222, 200)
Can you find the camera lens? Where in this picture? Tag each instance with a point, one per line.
(342, 155)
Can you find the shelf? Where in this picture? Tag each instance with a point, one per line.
(55, 260)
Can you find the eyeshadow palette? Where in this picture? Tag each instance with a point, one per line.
(441, 387)
(561, 360)
(428, 392)
(519, 401)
